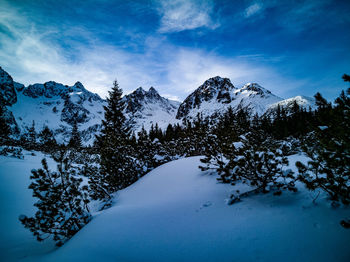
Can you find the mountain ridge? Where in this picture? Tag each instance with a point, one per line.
(57, 106)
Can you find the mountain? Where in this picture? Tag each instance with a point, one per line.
(144, 108)
(217, 94)
(57, 106)
(302, 101)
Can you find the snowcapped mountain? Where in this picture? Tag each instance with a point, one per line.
(217, 94)
(57, 106)
(302, 101)
(54, 105)
(144, 108)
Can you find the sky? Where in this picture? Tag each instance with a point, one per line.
(295, 47)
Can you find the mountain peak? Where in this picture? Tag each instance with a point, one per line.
(8, 94)
(255, 87)
(79, 85)
(216, 94)
(152, 90)
(4, 76)
(218, 81)
(139, 90)
(215, 88)
(51, 89)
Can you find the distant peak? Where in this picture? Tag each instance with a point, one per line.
(218, 79)
(4, 76)
(255, 87)
(153, 90)
(218, 83)
(79, 85)
(139, 90)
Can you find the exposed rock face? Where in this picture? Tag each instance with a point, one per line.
(7, 89)
(214, 89)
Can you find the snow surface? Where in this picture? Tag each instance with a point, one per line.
(178, 213)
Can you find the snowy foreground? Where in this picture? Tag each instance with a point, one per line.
(178, 213)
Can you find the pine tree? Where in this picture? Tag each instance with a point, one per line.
(145, 152)
(47, 139)
(62, 203)
(346, 78)
(219, 143)
(118, 169)
(4, 128)
(29, 139)
(329, 151)
(75, 140)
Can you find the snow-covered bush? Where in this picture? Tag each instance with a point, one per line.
(11, 151)
(258, 163)
(328, 147)
(62, 202)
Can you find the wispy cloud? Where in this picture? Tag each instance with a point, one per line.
(296, 16)
(180, 15)
(189, 68)
(253, 9)
(33, 54)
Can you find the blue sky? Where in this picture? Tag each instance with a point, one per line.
(289, 47)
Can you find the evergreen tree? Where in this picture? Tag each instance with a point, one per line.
(28, 139)
(145, 152)
(4, 128)
(47, 139)
(62, 203)
(118, 169)
(75, 140)
(259, 163)
(329, 151)
(346, 78)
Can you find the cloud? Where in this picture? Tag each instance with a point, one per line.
(189, 68)
(297, 15)
(172, 97)
(180, 15)
(253, 9)
(33, 55)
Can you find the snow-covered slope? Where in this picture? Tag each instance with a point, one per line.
(302, 101)
(178, 213)
(144, 108)
(217, 94)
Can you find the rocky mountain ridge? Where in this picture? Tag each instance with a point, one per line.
(57, 106)
(216, 94)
